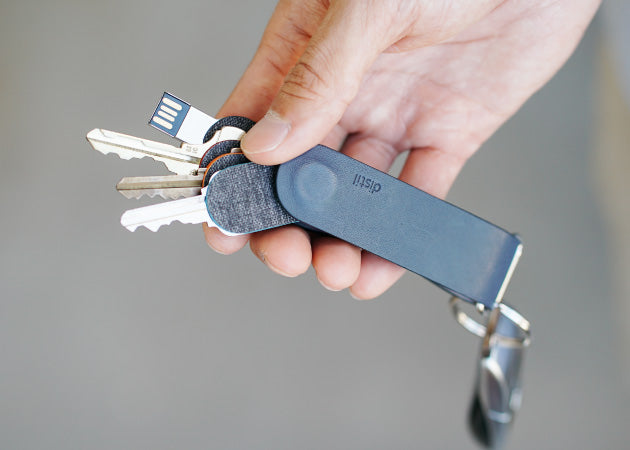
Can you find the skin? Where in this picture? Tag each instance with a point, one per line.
(376, 78)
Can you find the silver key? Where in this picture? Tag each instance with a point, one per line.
(171, 187)
(167, 187)
(180, 160)
(190, 210)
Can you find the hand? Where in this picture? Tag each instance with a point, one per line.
(375, 78)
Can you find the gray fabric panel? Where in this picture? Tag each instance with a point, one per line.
(242, 199)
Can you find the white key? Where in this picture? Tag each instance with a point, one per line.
(180, 160)
(185, 210)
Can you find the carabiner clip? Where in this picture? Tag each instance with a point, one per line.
(497, 393)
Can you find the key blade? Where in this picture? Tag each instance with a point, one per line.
(187, 210)
(161, 182)
(169, 187)
(178, 160)
(166, 194)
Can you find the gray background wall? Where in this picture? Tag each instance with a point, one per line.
(114, 340)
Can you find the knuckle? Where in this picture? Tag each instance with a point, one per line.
(305, 82)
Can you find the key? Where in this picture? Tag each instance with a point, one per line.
(175, 186)
(238, 199)
(181, 120)
(191, 210)
(168, 187)
(182, 160)
(179, 160)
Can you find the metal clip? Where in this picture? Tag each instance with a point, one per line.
(498, 388)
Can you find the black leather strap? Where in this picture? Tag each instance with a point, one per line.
(231, 121)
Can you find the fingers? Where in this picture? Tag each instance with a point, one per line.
(376, 276)
(432, 170)
(220, 243)
(319, 87)
(371, 151)
(284, 40)
(285, 250)
(309, 68)
(227, 245)
(336, 263)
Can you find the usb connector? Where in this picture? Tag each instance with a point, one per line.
(178, 119)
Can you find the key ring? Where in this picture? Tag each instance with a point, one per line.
(487, 332)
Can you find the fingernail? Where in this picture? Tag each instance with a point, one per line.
(279, 271)
(355, 297)
(216, 249)
(327, 287)
(266, 135)
(270, 266)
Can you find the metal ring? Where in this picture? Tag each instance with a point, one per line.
(482, 331)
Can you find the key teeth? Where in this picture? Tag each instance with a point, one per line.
(131, 195)
(172, 166)
(187, 211)
(175, 167)
(106, 150)
(130, 147)
(154, 227)
(137, 194)
(121, 155)
(172, 197)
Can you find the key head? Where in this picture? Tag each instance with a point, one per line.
(218, 149)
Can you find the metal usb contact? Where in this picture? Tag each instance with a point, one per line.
(178, 119)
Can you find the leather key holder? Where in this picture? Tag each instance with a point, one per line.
(327, 191)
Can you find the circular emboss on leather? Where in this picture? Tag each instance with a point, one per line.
(315, 183)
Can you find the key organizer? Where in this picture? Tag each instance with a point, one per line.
(330, 192)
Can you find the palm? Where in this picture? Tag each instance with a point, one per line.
(449, 98)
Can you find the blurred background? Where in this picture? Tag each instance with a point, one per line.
(119, 340)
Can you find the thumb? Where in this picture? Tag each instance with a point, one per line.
(318, 89)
